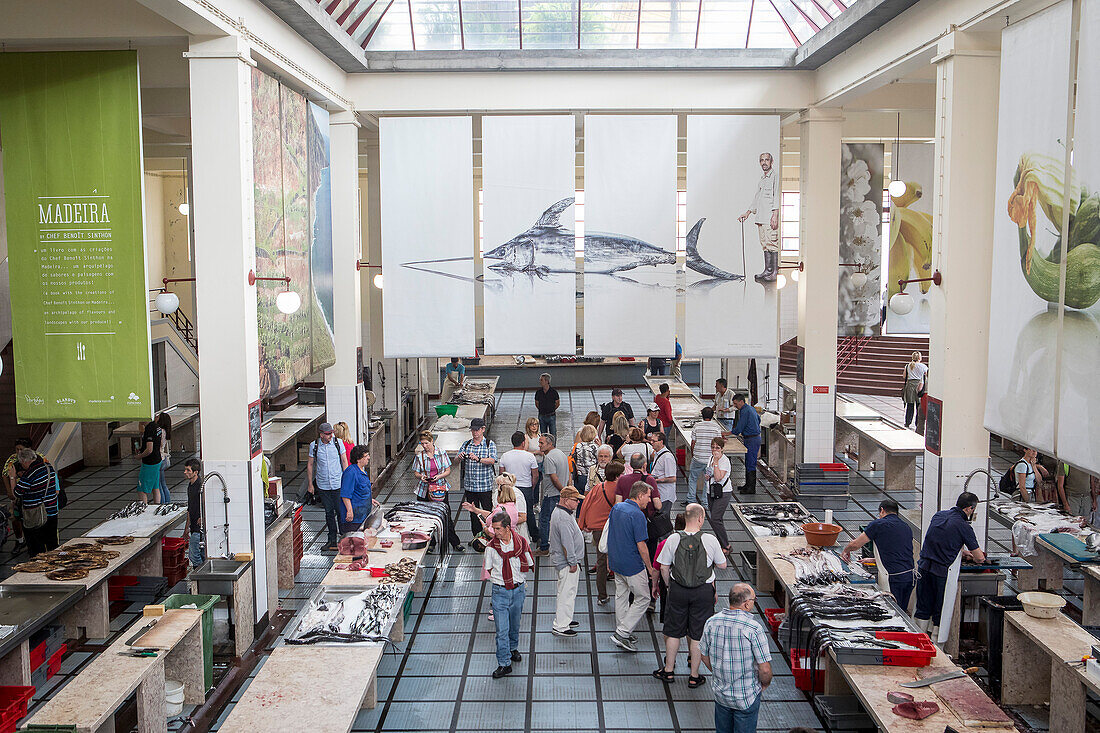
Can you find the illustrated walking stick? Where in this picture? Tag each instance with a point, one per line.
(744, 269)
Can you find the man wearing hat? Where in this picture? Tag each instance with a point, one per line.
(324, 469)
(608, 410)
(567, 554)
(748, 428)
(478, 460)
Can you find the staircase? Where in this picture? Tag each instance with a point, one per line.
(869, 365)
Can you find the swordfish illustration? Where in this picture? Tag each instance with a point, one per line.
(549, 247)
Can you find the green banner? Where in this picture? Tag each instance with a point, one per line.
(70, 127)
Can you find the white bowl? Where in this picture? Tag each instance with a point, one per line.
(1041, 605)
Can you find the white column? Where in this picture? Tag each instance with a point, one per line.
(962, 250)
(343, 388)
(225, 252)
(819, 237)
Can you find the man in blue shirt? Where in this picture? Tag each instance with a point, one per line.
(355, 490)
(677, 357)
(894, 541)
(747, 427)
(628, 557)
(948, 533)
(324, 470)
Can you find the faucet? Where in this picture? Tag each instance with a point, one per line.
(991, 483)
(225, 497)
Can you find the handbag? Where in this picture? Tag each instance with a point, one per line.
(715, 490)
(480, 541)
(34, 516)
(602, 547)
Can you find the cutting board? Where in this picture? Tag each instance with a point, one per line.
(973, 706)
(169, 629)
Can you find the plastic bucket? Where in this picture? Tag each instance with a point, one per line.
(173, 696)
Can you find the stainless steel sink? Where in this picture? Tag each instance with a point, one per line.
(217, 576)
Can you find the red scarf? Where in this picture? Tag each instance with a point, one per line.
(520, 549)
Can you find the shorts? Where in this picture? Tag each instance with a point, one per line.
(688, 610)
(148, 478)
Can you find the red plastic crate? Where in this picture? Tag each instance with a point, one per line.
(774, 617)
(907, 657)
(38, 656)
(681, 457)
(13, 706)
(54, 664)
(174, 544)
(804, 677)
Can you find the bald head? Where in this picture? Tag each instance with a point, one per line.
(693, 517)
(742, 597)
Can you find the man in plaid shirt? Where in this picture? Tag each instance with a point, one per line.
(478, 458)
(735, 649)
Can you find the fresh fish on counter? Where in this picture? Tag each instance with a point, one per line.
(816, 567)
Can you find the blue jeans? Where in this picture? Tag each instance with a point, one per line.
(695, 472)
(165, 497)
(507, 609)
(545, 512)
(549, 423)
(194, 549)
(731, 720)
(330, 500)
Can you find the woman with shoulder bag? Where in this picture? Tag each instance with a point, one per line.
(719, 490)
(431, 466)
(594, 512)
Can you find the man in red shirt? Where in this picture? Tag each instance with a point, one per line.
(664, 407)
(637, 465)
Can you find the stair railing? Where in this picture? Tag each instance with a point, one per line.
(848, 352)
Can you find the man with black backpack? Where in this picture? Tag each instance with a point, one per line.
(687, 561)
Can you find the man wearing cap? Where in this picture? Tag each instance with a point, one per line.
(608, 410)
(478, 459)
(567, 554)
(324, 469)
(747, 428)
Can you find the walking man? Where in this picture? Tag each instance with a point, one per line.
(555, 471)
(664, 472)
(735, 648)
(628, 557)
(324, 470)
(478, 458)
(701, 436)
(747, 428)
(522, 464)
(687, 561)
(547, 401)
(567, 554)
(765, 210)
(507, 559)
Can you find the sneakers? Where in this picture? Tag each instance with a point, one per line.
(624, 644)
(516, 656)
(603, 601)
(501, 671)
(540, 553)
(458, 548)
(566, 632)
(574, 624)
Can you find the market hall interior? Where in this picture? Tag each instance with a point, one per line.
(672, 366)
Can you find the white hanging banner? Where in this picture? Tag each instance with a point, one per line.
(910, 245)
(629, 235)
(427, 236)
(1079, 401)
(733, 169)
(1027, 221)
(528, 174)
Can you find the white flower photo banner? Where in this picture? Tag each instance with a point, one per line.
(629, 235)
(528, 173)
(860, 303)
(910, 246)
(728, 313)
(427, 202)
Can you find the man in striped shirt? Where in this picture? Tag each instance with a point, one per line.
(37, 486)
(735, 649)
(701, 435)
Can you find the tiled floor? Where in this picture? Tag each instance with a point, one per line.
(438, 678)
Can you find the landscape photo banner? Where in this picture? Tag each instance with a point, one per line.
(528, 174)
(427, 175)
(727, 312)
(70, 127)
(630, 234)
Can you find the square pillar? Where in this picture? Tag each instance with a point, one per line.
(967, 79)
(343, 388)
(819, 234)
(225, 253)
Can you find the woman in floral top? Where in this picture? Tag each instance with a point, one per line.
(584, 456)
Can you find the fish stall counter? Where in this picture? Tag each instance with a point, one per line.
(961, 703)
(23, 611)
(1033, 527)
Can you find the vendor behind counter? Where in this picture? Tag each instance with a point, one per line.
(949, 531)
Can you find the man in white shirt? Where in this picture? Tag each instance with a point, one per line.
(765, 213)
(664, 472)
(522, 464)
(687, 560)
(701, 435)
(723, 404)
(507, 559)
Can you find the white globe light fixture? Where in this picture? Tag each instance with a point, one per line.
(902, 304)
(185, 208)
(288, 302)
(897, 189)
(795, 274)
(781, 281)
(859, 279)
(168, 303)
(378, 281)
